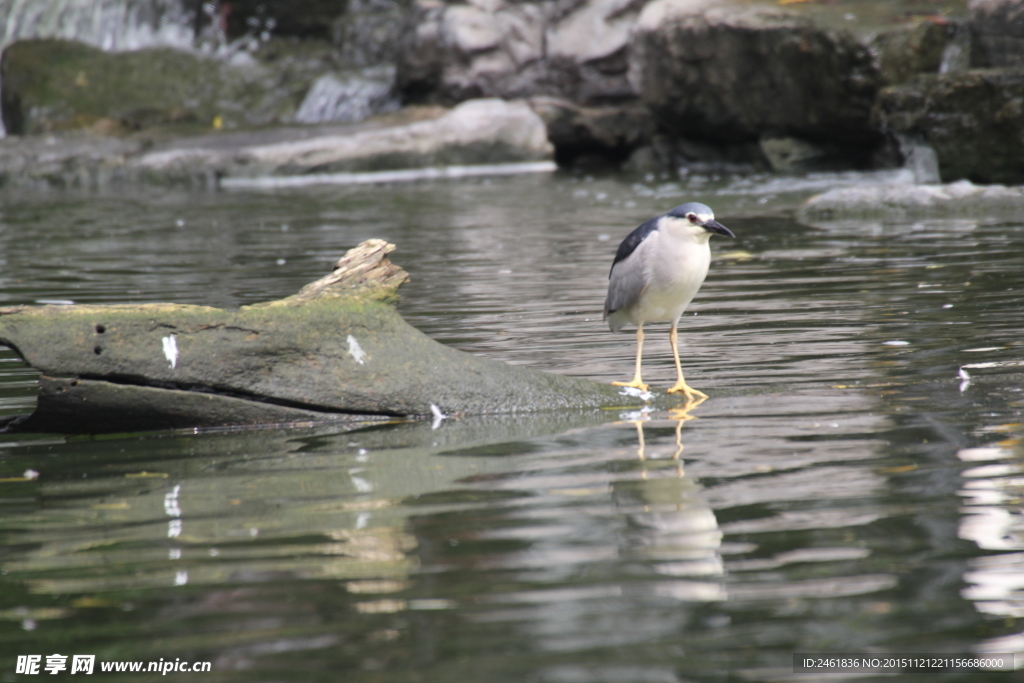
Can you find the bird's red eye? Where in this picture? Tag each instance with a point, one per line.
(692, 217)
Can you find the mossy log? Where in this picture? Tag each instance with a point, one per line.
(336, 350)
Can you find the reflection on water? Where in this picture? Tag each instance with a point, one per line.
(845, 488)
(993, 518)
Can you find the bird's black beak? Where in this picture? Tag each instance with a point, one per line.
(719, 229)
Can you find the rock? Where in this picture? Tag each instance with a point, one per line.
(476, 132)
(793, 155)
(915, 48)
(961, 199)
(337, 350)
(570, 57)
(729, 73)
(610, 132)
(350, 83)
(421, 53)
(681, 155)
(587, 50)
(72, 160)
(998, 30)
(485, 131)
(349, 97)
(787, 155)
(55, 85)
(451, 53)
(306, 19)
(575, 50)
(368, 33)
(974, 120)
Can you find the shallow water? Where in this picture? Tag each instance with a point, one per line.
(845, 489)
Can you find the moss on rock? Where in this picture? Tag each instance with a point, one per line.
(57, 85)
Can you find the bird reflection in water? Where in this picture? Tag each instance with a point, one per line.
(672, 532)
(679, 414)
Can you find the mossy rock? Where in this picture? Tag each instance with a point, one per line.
(56, 85)
(911, 49)
(973, 119)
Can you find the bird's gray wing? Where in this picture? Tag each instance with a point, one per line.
(626, 282)
(628, 277)
(635, 239)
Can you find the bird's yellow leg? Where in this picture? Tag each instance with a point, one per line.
(636, 382)
(681, 385)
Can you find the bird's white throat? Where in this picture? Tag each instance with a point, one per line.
(680, 228)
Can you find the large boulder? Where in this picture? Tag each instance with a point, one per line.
(55, 85)
(575, 50)
(920, 46)
(998, 31)
(588, 48)
(973, 119)
(72, 160)
(488, 131)
(480, 132)
(909, 201)
(730, 73)
(585, 134)
(368, 33)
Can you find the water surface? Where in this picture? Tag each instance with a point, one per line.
(852, 485)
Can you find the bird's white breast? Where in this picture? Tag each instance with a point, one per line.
(678, 265)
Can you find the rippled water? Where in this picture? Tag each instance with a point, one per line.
(853, 484)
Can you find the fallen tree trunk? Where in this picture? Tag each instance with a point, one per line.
(337, 350)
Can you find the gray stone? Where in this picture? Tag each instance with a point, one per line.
(367, 33)
(791, 154)
(349, 97)
(729, 73)
(576, 51)
(915, 48)
(476, 132)
(673, 155)
(609, 132)
(998, 28)
(486, 131)
(72, 160)
(974, 120)
(699, 155)
(587, 50)
(961, 199)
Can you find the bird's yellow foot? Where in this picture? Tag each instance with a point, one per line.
(635, 383)
(688, 391)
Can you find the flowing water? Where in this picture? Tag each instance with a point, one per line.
(853, 484)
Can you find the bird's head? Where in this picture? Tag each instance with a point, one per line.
(701, 218)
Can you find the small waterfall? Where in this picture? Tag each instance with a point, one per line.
(920, 158)
(335, 98)
(112, 25)
(957, 54)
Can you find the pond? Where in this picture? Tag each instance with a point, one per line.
(853, 485)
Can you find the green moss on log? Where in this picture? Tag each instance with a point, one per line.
(337, 348)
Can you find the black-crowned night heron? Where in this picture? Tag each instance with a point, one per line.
(657, 271)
